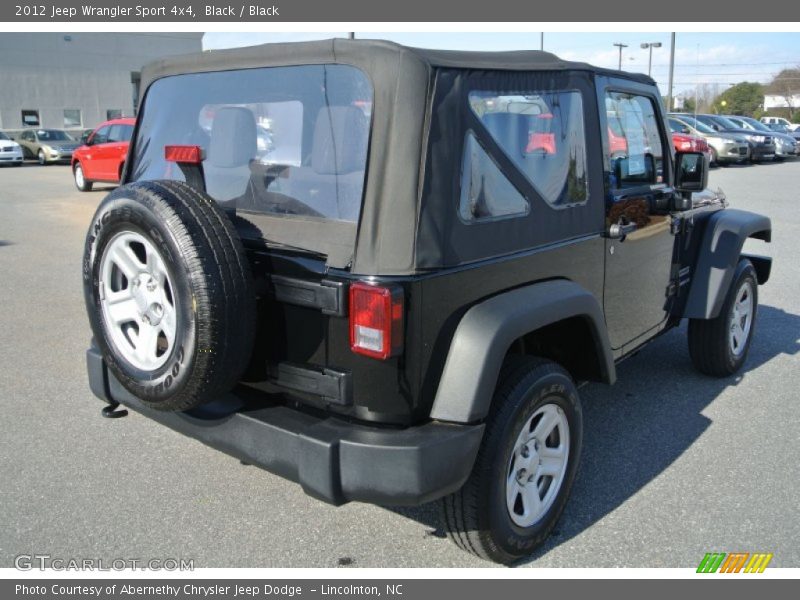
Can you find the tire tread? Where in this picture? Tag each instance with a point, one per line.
(460, 510)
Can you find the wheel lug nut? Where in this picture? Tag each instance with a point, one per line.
(524, 451)
(146, 319)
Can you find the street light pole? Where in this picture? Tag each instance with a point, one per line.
(650, 46)
(620, 46)
(671, 71)
(541, 41)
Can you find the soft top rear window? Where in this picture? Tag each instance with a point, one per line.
(286, 142)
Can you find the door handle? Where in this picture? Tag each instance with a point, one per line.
(618, 231)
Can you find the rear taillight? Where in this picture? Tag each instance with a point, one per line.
(376, 320)
(192, 155)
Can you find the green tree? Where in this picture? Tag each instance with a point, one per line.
(744, 98)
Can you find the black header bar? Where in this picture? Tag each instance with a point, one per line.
(361, 11)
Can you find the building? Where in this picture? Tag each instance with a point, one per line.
(75, 81)
(790, 100)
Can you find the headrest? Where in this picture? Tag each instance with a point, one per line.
(340, 140)
(233, 137)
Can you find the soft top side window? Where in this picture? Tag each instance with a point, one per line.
(485, 192)
(543, 134)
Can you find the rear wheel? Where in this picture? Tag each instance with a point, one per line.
(169, 294)
(719, 346)
(525, 467)
(80, 179)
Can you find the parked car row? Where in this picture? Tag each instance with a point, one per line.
(97, 157)
(735, 139)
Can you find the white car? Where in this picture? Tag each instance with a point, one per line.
(781, 121)
(10, 151)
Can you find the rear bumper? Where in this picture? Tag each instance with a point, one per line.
(332, 460)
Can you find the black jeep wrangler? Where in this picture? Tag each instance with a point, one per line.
(381, 272)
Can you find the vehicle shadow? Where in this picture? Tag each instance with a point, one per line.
(635, 429)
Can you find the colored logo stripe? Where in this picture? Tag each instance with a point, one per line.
(734, 562)
(711, 562)
(758, 563)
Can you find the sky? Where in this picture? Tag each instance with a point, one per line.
(700, 58)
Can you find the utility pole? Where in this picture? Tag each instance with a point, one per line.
(671, 72)
(650, 45)
(620, 46)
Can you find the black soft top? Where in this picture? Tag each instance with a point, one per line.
(403, 79)
(372, 55)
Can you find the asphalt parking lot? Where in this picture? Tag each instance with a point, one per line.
(675, 464)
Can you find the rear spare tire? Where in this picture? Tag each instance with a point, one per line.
(169, 294)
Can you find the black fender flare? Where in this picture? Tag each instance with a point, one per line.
(486, 332)
(717, 257)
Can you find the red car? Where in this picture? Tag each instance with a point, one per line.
(690, 143)
(102, 157)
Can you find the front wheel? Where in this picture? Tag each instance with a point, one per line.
(80, 179)
(719, 346)
(42, 157)
(525, 467)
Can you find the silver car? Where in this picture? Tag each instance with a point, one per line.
(47, 145)
(726, 148)
(786, 146)
(10, 151)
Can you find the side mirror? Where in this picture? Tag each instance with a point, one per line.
(691, 172)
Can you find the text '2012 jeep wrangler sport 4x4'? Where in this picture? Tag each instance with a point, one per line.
(380, 271)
